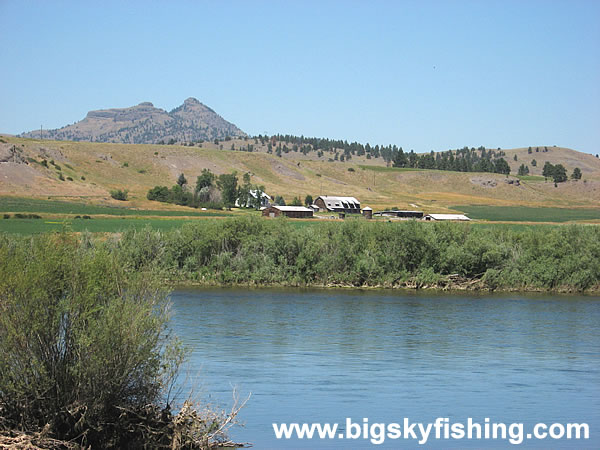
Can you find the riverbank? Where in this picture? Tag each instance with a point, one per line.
(359, 254)
(451, 286)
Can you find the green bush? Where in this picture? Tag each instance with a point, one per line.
(25, 216)
(82, 342)
(159, 194)
(119, 194)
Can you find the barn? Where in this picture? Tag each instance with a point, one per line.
(295, 212)
(330, 203)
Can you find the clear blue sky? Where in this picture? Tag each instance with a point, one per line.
(424, 75)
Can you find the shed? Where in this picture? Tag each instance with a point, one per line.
(446, 217)
(296, 212)
(401, 214)
(368, 212)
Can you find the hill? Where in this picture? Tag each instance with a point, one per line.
(90, 170)
(144, 123)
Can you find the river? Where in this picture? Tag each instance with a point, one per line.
(321, 356)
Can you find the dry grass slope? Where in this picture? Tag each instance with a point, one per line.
(96, 168)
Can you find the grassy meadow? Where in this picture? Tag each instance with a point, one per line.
(33, 205)
(95, 225)
(529, 214)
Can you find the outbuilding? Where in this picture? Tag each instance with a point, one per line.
(438, 217)
(401, 214)
(295, 212)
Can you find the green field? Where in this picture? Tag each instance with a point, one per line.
(112, 225)
(17, 204)
(527, 214)
(96, 225)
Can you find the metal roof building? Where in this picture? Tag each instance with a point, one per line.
(446, 217)
(332, 203)
(296, 212)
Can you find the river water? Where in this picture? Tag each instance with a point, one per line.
(327, 355)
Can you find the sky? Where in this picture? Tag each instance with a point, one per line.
(424, 75)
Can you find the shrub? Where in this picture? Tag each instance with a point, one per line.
(69, 179)
(61, 177)
(119, 194)
(26, 216)
(7, 216)
(84, 347)
(158, 193)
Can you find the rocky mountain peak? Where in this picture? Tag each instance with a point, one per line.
(145, 124)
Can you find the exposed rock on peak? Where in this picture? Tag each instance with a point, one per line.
(146, 124)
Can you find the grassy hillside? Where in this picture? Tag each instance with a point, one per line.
(96, 168)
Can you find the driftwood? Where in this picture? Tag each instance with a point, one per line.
(149, 427)
(33, 441)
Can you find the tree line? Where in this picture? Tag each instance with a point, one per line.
(210, 191)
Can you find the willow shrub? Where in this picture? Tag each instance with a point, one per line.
(253, 250)
(81, 340)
